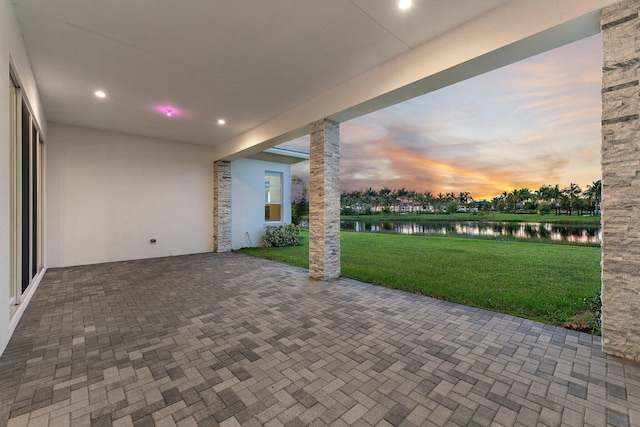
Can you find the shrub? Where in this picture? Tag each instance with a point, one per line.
(347, 211)
(452, 207)
(544, 209)
(282, 235)
(595, 306)
(299, 209)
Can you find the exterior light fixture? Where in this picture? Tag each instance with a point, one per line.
(169, 112)
(221, 122)
(404, 4)
(100, 94)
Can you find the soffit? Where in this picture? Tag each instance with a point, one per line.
(245, 60)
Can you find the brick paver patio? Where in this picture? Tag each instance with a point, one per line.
(223, 339)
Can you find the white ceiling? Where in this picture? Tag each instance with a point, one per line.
(246, 61)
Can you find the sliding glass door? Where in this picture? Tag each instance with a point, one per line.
(13, 199)
(26, 195)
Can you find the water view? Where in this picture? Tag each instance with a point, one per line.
(525, 230)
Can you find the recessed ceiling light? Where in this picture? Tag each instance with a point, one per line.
(100, 94)
(404, 4)
(221, 122)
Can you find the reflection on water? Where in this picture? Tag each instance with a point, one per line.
(525, 230)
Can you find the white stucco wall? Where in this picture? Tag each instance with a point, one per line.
(247, 200)
(12, 51)
(108, 194)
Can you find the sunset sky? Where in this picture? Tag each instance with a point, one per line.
(532, 123)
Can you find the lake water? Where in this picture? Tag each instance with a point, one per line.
(525, 230)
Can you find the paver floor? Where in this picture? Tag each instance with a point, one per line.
(224, 339)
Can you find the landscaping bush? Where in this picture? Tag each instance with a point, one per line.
(282, 235)
(299, 209)
(595, 306)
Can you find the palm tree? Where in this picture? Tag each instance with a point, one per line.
(565, 204)
(464, 197)
(572, 192)
(511, 199)
(496, 203)
(418, 200)
(594, 195)
(386, 198)
(401, 196)
(345, 202)
(442, 199)
(579, 204)
(504, 200)
(429, 199)
(369, 197)
(545, 193)
(524, 194)
(554, 196)
(411, 200)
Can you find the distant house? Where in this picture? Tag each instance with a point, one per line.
(261, 194)
(480, 205)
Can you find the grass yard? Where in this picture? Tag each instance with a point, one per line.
(542, 282)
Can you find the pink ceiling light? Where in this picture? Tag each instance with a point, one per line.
(168, 110)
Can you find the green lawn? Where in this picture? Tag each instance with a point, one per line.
(507, 217)
(542, 282)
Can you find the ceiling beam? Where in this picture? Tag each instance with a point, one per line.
(515, 31)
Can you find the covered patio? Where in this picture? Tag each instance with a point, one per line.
(122, 305)
(225, 339)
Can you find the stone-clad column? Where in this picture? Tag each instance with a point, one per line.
(324, 200)
(621, 180)
(221, 206)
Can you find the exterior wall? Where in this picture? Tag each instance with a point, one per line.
(12, 51)
(221, 206)
(108, 194)
(621, 180)
(324, 200)
(247, 195)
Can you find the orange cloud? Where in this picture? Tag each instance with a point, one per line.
(529, 124)
(407, 168)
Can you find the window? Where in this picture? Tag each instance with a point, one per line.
(272, 196)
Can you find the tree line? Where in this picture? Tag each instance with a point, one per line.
(545, 200)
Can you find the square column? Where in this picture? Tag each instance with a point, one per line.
(621, 180)
(324, 200)
(221, 206)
